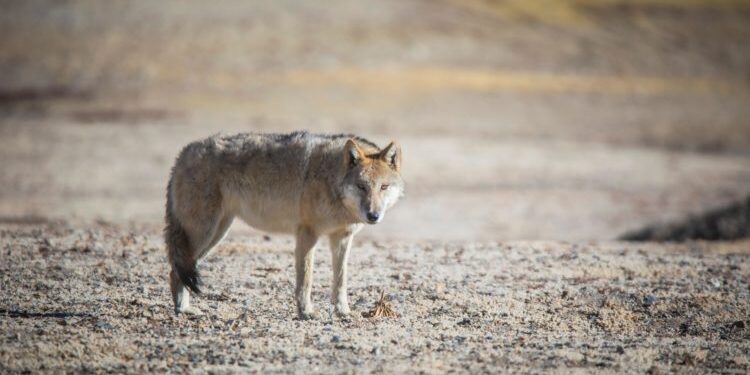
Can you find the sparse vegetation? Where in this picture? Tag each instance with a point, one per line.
(382, 309)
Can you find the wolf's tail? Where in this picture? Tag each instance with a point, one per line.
(178, 248)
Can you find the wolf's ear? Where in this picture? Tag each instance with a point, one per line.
(353, 155)
(391, 154)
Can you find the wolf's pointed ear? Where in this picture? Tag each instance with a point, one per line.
(391, 154)
(353, 155)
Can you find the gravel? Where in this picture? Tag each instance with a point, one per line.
(479, 307)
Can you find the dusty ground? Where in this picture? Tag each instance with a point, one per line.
(574, 121)
(552, 126)
(96, 299)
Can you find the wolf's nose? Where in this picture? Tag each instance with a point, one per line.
(373, 217)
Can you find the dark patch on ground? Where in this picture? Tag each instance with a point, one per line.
(24, 220)
(31, 94)
(119, 115)
(53, 314)
(726, 223)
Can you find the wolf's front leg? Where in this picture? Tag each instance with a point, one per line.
(304, 256)
(341, 242)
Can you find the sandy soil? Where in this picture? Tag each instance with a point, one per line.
(97, 299)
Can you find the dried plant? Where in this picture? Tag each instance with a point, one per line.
(382, 309)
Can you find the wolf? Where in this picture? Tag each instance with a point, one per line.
(308, 185)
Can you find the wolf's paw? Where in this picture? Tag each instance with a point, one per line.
(189, 311)
(307, 315)
(342, 310)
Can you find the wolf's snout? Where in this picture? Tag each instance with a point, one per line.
(373, 217)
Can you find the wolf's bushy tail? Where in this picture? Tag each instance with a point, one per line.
(178, 249)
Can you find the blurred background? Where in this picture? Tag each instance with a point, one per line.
(519, 119)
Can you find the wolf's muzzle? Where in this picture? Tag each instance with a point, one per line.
(373, 217)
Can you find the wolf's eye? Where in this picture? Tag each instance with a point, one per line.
(362, 187)
(384, 187)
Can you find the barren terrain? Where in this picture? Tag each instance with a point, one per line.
(534, 133)
(97, 299)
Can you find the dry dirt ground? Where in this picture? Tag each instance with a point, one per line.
(551, 126)
(97, 300)
(574, 121)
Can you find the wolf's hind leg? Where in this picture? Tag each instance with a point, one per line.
(218, 234)
(180, 254)
(188, 240)
(181, 296)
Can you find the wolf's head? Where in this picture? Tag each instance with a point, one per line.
(372, 182)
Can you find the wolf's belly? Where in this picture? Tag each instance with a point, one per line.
(270, 216)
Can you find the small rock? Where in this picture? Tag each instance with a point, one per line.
(649, 300)
(104, 326)
(360, 302)
(98, 248)
(465, 322)
(336, 338)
